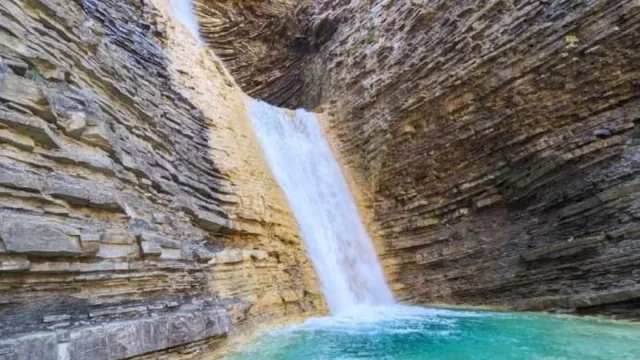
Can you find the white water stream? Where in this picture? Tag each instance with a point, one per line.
(336, 239)
(304, 167)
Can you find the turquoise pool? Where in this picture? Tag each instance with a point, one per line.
(408, 333)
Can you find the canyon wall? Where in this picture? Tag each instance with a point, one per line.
(137, 215)
(495, 143)
(497, 140)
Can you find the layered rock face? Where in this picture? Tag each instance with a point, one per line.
(498, 141)
(257, 45)
(497, 144)
(266, 44)
(137, 215)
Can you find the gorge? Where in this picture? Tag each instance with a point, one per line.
(491, 148)
(496, 141)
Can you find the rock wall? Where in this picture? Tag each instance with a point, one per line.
(498, 141)
(136, 212)
(496, 144)
(266, 45)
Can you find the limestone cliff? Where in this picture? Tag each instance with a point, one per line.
(496, 144)
(498, 140)
(137, 214)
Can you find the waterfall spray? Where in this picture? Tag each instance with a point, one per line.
(335, 237)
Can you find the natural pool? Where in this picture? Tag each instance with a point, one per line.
(404, 333)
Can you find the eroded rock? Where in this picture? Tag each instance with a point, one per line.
(504, 122)
(118, 181)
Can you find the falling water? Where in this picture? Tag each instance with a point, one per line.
(351, 277)
(183, 12)
(336, 240)
(303, 165)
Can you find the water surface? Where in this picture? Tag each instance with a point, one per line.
(409, 333)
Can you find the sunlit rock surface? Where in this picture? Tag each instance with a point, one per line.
(136, 211)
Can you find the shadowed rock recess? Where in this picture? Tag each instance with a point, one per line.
(496, 144)
(498, 140)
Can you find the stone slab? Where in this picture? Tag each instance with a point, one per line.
(31, 236)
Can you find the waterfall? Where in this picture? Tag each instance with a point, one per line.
(335, 237)
(304, 167)
(183, 11)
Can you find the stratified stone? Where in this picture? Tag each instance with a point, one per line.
(37, 237)
(118, 236)
(40, 346)
(97, 135)
(277, 61)
(493, 149)
(125, 339)
(25, 92)
(69, 113)
(114, 251)
(228, 256)
(80, 193)
(16, 139)
(101, 130)
(56, 318)
(34, 126)
(208, 220)
(160, 240)
(150, 249)
(14, 263)
(90, 242)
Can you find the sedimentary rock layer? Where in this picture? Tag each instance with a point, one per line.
(501, 142)
(265, 44)
(126, 204)
(498, 139)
